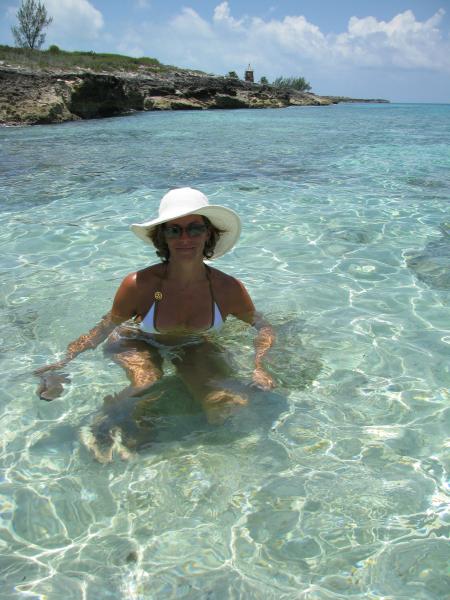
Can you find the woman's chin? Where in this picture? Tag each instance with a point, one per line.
(185, 253)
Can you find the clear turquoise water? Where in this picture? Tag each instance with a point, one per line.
(334, 485)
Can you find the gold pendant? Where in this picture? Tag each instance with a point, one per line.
(158, 295)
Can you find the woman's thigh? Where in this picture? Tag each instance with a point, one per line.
(202, 366)
(205, 369)
(141, 362)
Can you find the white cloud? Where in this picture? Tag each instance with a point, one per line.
(222, 16)
(292, 34)
(73, 19)
(370, 52)
(402, 42)
(225, 42)
(190, 24)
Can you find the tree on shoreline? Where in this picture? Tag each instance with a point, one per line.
(295, 83)
(32, 17)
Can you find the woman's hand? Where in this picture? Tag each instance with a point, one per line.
(51, 384)
(52, 367)
(262, 379)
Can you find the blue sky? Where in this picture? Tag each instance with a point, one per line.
(394, 49)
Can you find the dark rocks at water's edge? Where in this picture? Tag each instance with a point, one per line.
(38, 97)
(344, 99)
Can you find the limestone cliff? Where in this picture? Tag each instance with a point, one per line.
(33, 97)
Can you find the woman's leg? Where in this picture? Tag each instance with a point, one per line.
(203, 369)
(143, 366)
(141, 362)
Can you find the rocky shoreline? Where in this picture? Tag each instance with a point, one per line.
(30, 97)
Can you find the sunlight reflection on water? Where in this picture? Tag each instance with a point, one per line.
(335, 484)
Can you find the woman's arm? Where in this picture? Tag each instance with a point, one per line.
(122, 310)
(244, 309)
(94, 337)
(263, 342)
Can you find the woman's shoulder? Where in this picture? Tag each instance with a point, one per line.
(134, 292)
(226, 284)
(223, 279)
(232, 295)
(153, 272)
(144, 277)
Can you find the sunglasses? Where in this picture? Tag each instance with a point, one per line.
(174, 232)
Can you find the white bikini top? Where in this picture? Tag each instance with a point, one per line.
(148, 323)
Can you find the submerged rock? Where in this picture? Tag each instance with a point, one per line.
(431, 265)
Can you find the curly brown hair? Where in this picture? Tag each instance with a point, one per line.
(162, 249)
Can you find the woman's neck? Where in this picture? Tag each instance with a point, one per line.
(186, 272)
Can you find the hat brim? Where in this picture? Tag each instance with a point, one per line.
(223, 218)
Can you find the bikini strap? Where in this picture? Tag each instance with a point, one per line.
(208, 277)
(158, 296)
(213, 301)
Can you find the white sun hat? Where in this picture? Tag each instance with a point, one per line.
(187, 201)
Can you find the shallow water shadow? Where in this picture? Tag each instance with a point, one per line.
(354, 235)
(293, 364)
(432, 264)
(167, 413)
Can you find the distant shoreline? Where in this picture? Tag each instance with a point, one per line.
(51, 95)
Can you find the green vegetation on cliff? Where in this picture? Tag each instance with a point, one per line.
(292, 83)
(54, 58)
(54, 86)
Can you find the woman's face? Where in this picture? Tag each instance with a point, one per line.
(186, 237)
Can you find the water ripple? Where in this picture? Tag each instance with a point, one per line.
(335, 484)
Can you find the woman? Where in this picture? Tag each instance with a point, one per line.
(176, 304)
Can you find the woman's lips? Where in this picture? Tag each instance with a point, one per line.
(184, 248)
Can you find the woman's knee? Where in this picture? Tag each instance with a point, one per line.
(221, 404)
(142, 378)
